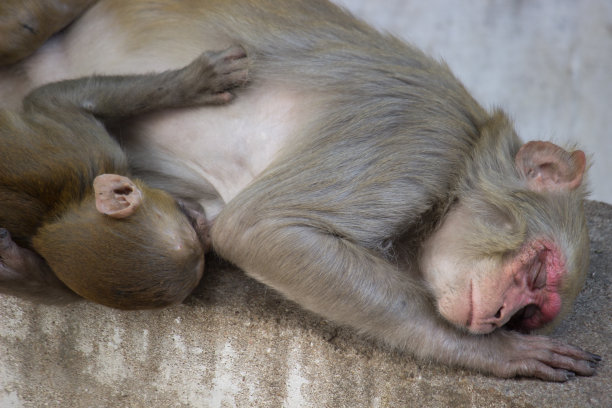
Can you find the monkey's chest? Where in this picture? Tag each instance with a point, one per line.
(226, 146)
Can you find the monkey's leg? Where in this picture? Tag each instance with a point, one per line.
(352, 285)
(26, 24)
(207, 80)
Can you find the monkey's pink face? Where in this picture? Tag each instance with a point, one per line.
(494, 284)
(482, 293)
(525, 294)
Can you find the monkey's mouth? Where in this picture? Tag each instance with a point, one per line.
(522, 320)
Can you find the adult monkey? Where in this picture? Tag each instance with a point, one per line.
(356, 176)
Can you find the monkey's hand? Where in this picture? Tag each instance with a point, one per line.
(541, 357)
(210, 78)
(207, 80)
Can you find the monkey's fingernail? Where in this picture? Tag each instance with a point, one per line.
(570, 375)
(592, 364)
(595, 357)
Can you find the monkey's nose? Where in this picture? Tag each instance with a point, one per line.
(487, 323)
(501, 317)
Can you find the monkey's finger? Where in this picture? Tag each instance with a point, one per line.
(215, 99)
(574, 352)
(232, 53)
(235, 79)
(537, 369)
(233, 66)
(559, 355)
(559, 347)
(580, 367)
(232, 74)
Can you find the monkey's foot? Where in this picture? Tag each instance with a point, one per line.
(16, 262)
(26, 274)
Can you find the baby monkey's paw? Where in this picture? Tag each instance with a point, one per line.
(214, 74)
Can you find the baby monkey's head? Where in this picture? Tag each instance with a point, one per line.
(126, 245)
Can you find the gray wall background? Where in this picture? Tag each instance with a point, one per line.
(547, 63)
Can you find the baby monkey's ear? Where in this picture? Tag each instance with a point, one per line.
(116, 196)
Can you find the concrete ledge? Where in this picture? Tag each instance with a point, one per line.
(237, 343)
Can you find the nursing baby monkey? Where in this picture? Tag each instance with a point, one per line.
(355, 175)
(65, 191)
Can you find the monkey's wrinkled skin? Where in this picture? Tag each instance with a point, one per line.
(355, 175)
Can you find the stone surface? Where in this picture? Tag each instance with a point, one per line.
(237, 343)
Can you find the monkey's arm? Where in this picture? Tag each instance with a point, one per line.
(26, 24)
(207, 80)
(342, 281)
(69, 114)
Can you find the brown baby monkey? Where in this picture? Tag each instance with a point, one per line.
(66, 191)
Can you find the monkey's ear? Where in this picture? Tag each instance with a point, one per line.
(547, 167)
(116, 196)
